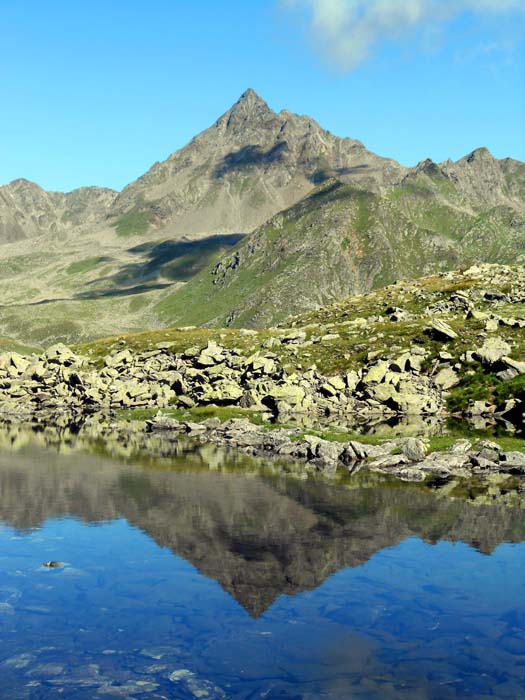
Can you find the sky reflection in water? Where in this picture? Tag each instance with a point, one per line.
(212, 585)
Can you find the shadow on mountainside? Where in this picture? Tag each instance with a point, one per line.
(170, 261)
(249, 157)
(174, 261)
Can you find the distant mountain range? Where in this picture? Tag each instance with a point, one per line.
(262, 215)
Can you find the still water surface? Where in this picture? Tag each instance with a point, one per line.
(210, 583)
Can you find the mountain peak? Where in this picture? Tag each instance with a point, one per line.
(250, 99)
(249, 106)
(479, 155)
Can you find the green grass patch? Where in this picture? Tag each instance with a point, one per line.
(475, 387)
(510, 388)
(85, 265)
(133, 223)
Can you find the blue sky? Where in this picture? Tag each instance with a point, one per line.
(95, 92)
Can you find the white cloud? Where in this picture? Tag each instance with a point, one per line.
(348, 30)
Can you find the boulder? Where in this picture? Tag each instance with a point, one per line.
(294, 337)
(351, 380)
(446, 378)
(415, 449)
(376, 373)
(211, 355)
(224, 392)
(492, 350)
(286, 398)
(513, 461)
(442, 331)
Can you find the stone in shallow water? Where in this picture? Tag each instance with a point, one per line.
(197, 687)
(18, 661)
(44, 670)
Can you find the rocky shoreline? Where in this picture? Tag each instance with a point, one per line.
(61, 386)
(405, 458)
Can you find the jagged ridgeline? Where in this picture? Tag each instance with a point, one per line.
(260, 216)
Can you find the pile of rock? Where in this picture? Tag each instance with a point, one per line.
(212, 375)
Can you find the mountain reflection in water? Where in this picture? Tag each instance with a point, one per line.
(380, 628)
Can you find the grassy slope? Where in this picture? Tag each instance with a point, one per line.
(341, 342)
(339, 241)
(336, 242)
(74, 295)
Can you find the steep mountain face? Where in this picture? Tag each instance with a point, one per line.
(340, 240)
(249, 165)
(231, 178)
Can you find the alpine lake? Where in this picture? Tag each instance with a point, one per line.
(205, 574)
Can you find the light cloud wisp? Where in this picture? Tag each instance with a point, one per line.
(348, 30)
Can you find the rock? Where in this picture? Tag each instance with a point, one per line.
(376, 373)
(330, 336)
(478, 315)
(337, 383)
(442, 331)
(222, 393)
(446, 463)
(124, 357)
(491, 325)
(261, 365)
(360, 450)
(446, 378)
(479, 408)
(271, 342)
(193, 428)
(290, 394)
(396, 314)
(415, 449)
(211, 355)
(323, 450)
(461, 446)
(352, 380)
(515, 365)
(513, 461)
(328, 390)
(492, 350)
(387, 462)
(294, 338)
(185, 401)
(19, 363)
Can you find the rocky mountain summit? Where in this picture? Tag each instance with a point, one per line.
(249, 165)
(27, 211)
(232, 177)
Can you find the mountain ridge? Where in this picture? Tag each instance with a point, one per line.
(96, 262)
